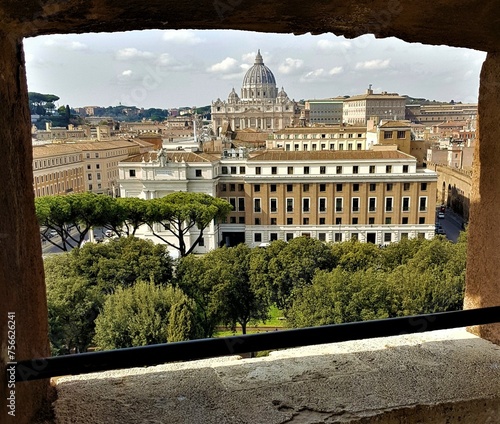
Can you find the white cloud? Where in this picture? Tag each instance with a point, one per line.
(290, 65)
(325, 44)
(373, 64)
(127, 73)
(131, 53)
(335, 71)
(66, 44)
(313, 75)
(228, 65)
(182, 37)
(249, 58)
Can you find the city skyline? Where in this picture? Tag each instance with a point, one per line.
(167, 69)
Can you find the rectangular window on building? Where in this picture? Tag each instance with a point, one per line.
(306, 170)
(258, 170)
(305, 188)
(289, 236)
(273, 236)
(289, 221)
(241, 204)
(241, 220)
(242, 170)
(372, 169)
(371, 221)
(131, 173)
(322, 221)
(257, 221)
(257, 237)
(339, 170)
(332, 146)
(296, 147)
(388, 169)
(232, 220)
(305, 204)
(406, 204)
(388, 220)
(373, 186)
(289, 187)
(387, 237)
(256, 188)
(387, 135)
(89, 167)
(289, 170)
(322, 169)
(389, 187)
(322, 187)
(274, 170)
(355, 221)
(89, 177)
(223, 187)
(421, 220)
(404, 220)
(273, 188)
(232, 187)
(338, 204)
(98, 175)
(305, 221)
(405, 169)
(372, 204)
(355, 204)
(273, 221)
(224, 169)
(322, 204)
(198, 172)
(423, 186)
(422, 204)
(355, 187)
(339, 187)
(273, 204)
(338, 237)
(241, 187)
(355, 169)
(406, 186)
(388, 204)
(289, 204)
(359, 146)
(233, 170)
(322, 236)
(401, 134)
(257, 207)
(232, 202)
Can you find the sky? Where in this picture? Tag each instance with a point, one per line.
(168, 68)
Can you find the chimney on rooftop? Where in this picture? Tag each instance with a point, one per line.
(369, 91)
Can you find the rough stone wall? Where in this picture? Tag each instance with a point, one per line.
(483, 272)
(21, 282)
(22, 288)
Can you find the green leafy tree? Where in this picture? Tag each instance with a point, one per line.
(353, 255)
(128, 215)
(181, 212)
(78, 282)
(286, 266)
(238, 299)
(139, 316)
(72, 216)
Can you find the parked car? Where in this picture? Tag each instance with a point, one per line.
(441, 215)
(108, 233)
(52, 233)
(441, 231)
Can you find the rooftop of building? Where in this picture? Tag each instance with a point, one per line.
(281, 155)
(384, 95)
(434, 377)
(173, 156)
(334, 128)
(102, 145)
(395, 124)
(48, 150)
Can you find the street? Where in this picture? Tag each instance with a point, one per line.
(452, 224)
(48, 248)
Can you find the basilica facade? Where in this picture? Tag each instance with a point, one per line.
(260, 106)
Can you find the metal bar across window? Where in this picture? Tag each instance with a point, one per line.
(83, 363)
